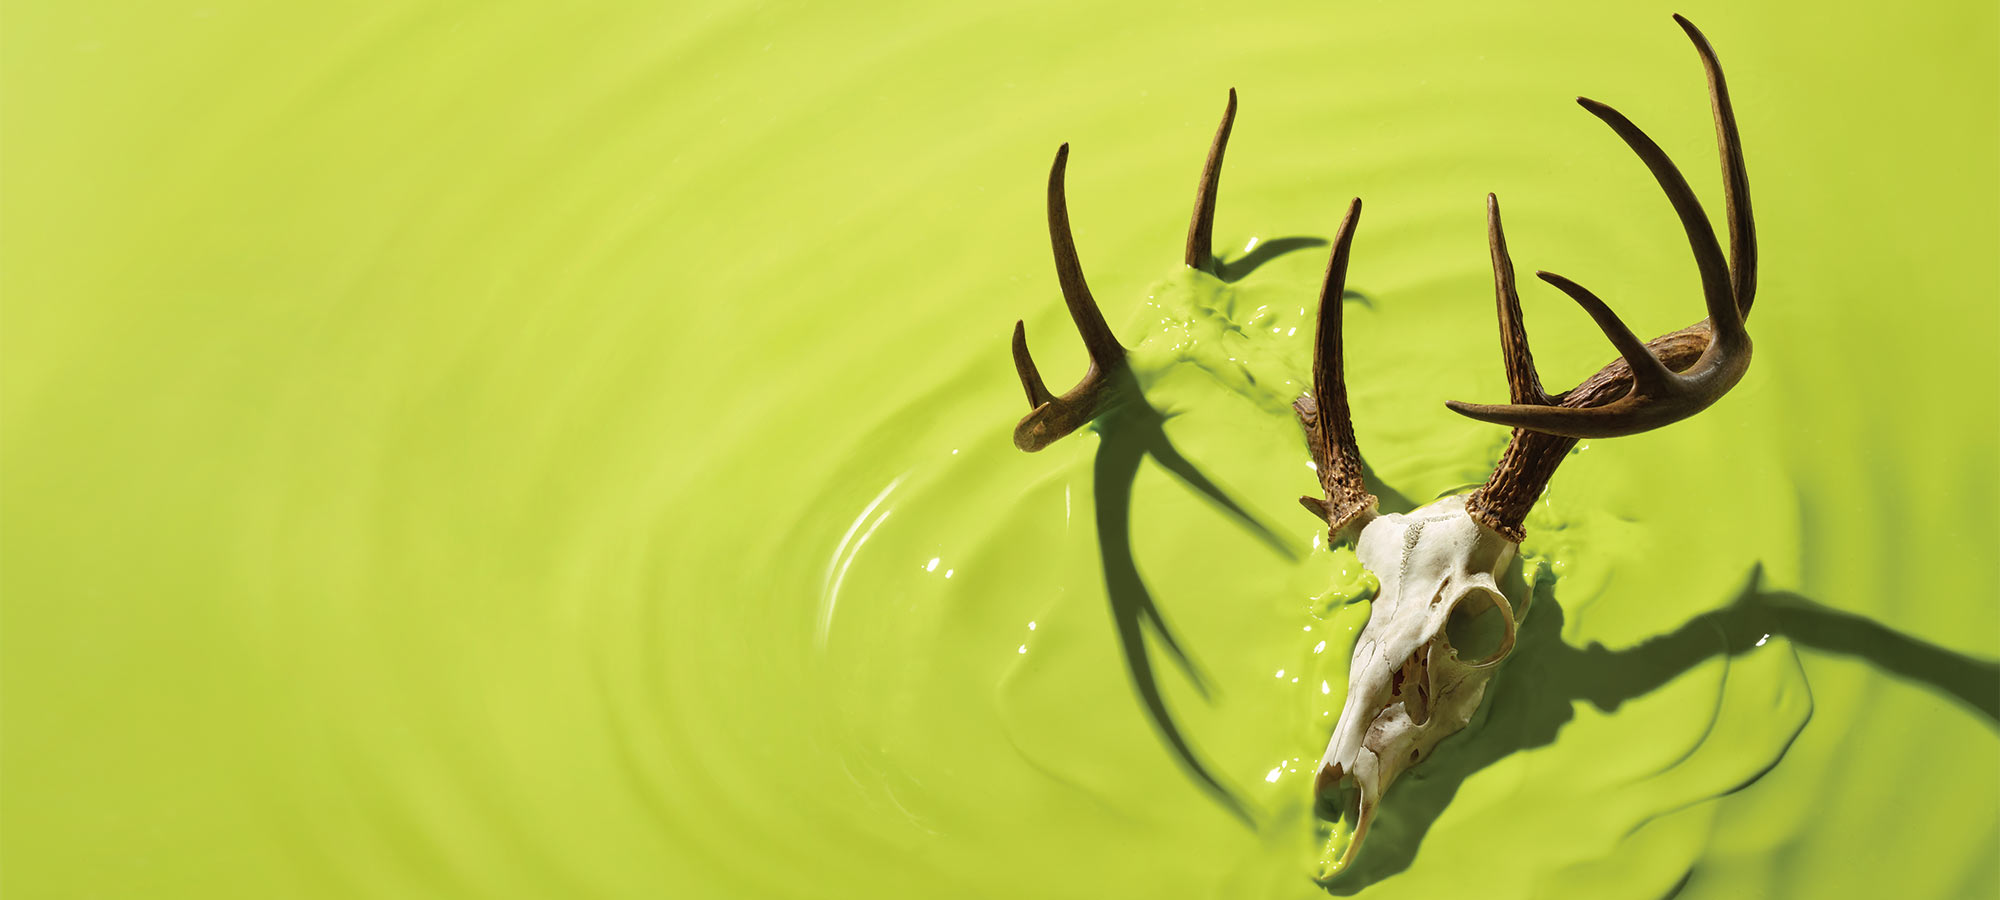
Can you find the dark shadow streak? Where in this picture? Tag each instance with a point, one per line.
(1531, 698)
(1167, 456)
(1131, 431)
(1234, 270)
(1231, 272)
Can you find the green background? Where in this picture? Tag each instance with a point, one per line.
(479, 450)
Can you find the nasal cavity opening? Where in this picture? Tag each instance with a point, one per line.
(1340, 804)
(1411, 684)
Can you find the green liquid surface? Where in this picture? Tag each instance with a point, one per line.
(516, 451)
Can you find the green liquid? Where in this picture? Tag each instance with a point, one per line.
(462, 451)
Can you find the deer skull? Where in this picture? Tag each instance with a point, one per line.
(1408, 685)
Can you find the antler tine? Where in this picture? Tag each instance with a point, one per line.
(1716, 288)
(1735, 177)
(1523, 383)
(1650, 378)
(1654, 394)
(1201, 228)
(1024, 365)
(1323, 413)
(1052, 416)
(1104, 349)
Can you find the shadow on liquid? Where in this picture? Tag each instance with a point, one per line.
(1532, 698)
(1132, 430)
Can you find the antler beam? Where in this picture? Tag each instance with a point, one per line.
(1654, 383)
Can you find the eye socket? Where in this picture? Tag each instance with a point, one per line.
(1480, 627)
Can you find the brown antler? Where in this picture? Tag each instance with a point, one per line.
(1323, 413)
(1655, 383)
(1052, 417)
(1200, 252)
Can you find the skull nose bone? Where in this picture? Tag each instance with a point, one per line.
(1329, 775)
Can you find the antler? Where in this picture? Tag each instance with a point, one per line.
(1200, 252)
(1654, 383)
(1052, 417)
(1323, 413)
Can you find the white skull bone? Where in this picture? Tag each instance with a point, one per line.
(1407, 687)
